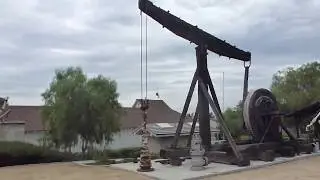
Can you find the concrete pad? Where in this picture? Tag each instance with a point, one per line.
(183, 172)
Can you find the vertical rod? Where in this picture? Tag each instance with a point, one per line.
(222, 91)
(245, 91)
(146, 57)
(221, 121)
(141, 58)
(245, 83)
(185, 109)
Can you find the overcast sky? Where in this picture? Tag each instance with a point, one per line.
(103, 37)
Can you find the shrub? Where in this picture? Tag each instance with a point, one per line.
(119, 153)
(19, 153)
(127, 154)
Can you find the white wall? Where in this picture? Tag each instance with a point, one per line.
(34, 137)
(12, 132)
(125, 138)
(16, 132)
(155, 144)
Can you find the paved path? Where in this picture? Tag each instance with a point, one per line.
(306, 169)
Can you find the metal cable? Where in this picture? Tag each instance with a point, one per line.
(146, 56)
(141, 83)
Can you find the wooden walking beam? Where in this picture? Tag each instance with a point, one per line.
(192, 33)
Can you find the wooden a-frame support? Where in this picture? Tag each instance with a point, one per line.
(202, 77)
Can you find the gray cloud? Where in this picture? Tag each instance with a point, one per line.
(103, 37)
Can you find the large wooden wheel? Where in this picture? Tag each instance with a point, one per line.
(258, 108)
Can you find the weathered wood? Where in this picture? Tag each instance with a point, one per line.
(192, 33)
(226, 158)
(174, 152)
(213, 92)
(257, 107)
(222, 123)
(268, 155)
(203, 104)
(193, 126)
(185, 110)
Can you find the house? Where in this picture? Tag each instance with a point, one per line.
(24, 124)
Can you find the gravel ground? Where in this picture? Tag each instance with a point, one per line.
(307, 169)
(65, 171)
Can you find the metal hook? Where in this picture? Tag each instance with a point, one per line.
(246, 65)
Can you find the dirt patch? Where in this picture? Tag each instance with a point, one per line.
(65, 171)
(306, 169)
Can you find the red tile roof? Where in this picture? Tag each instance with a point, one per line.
(30, 114)
(158, 112)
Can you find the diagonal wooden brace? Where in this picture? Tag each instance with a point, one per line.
(185, 110)
(193, 126)
(221, 121)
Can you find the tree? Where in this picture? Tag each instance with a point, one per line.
(297, 87)
(103, 110)
(233, 119)
(80, 108)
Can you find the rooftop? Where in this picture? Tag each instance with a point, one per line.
(158, 112)
(169, 129)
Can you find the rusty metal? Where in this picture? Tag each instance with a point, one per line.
(145, 157)
(246, 66)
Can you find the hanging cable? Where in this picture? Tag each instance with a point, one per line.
(141, 54)
(146, 56)
(145, 159)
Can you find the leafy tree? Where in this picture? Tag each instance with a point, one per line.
(80, 108)
(103, 110)
(233, 118)
(297, 87)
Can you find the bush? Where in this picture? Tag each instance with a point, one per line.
(127, 154)
(19, 153)
(118, 153)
